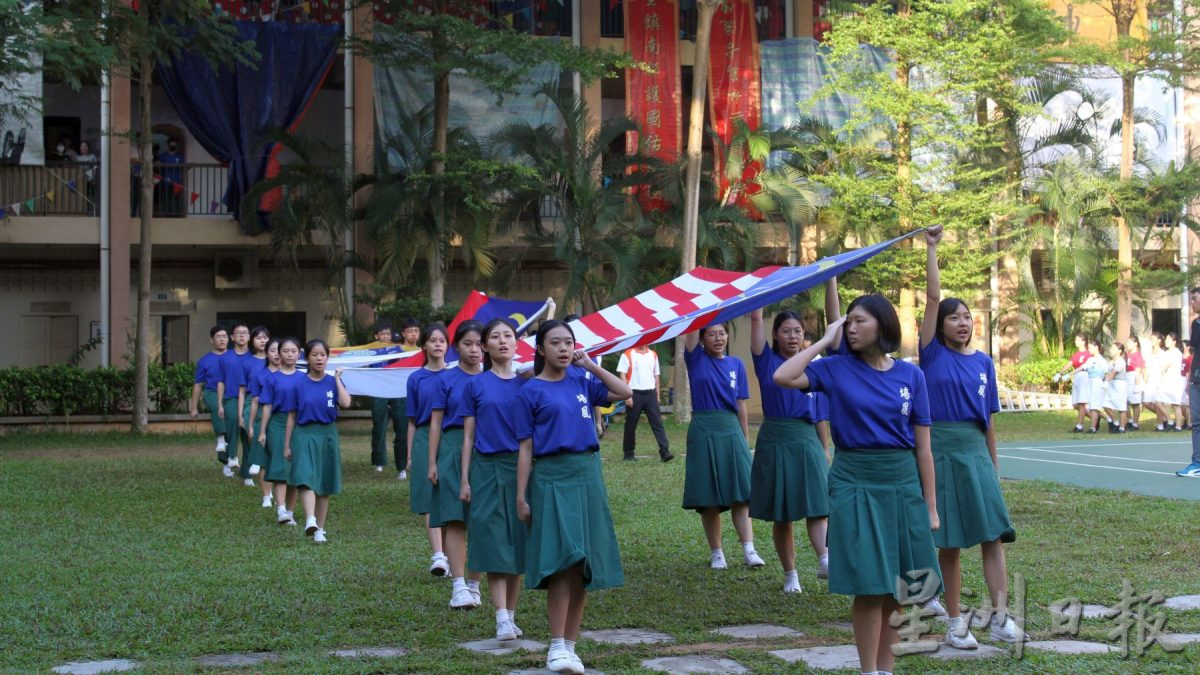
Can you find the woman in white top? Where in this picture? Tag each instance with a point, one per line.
(1172, 383)
(1135, 362)
(1096, 368)
(1117, 399)
(1153, 377)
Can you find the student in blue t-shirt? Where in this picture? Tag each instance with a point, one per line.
(572, 546)
(882, 501)
(962, 399)
(489, 474)
(254, 360)
(446, 509)
(788, 479)
(422, 389)
(255, 422)
(278, 397)
(208, 375)
(717, 466)
(228, 388)
(311, 439)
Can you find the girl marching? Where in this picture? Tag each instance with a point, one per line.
(228, 390)
(253, 454)
(446, 510)
(489, 475)
(278, 397)
(970, 505)
(311, 439)
(1117, 390)
(255, 422)
(208, 376)
(882, 500)
(572, 547)
(422, 390)
(717, 468)
(1080, 385)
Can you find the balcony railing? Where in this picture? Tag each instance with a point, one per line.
(551, 19)
(73, 189)
(769, 15)
(182, 190)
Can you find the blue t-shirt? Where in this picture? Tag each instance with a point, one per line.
(491, 399)
(208, 371)
(254, 389)
(231, 373)
(780, 401)
(558, 415)
(422, 390)
(251, 365)
(280, 391)
(868, 408)
(961, 388)
(317, 401)
(448, 397)
(716, 383)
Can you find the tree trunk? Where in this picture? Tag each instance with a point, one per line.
(441, 124)
(691, 201)
(141, 363)
(904, 205)
(1007, 344)
(1124, 238)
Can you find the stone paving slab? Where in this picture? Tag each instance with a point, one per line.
(1183, 602)
(1070, 647)
(627, 636)
(1086, 612)
(1182, 638)
(694, 664)
(236, 660)
(822, 658)
(369, 653)
(500, 648)
(946, 652)
(840, 625)
(758, 631)
(543, 671)
(94, 667)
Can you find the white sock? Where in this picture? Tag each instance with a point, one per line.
(221, 439)
(748, 547)
(438, 554)
(473, 585)
(791, 575)
(557, 644)
(570, 645)
(824, 558)
(459, 582)
(501, 615)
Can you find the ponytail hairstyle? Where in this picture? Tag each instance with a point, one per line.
(1135, 340)
(465, 328)
(780, 319)
(255, 332)
(539, 358)
(1174, 338)
(945, 308)
(1120, 346)
(313, 343)
(1157, 339)
(1086, 341)
(487, 332)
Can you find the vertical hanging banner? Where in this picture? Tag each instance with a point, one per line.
(21, 132)
(653, 98)
(733, 87)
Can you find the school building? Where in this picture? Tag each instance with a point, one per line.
(69, 242)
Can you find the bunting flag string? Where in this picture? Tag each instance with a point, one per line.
(30, 205)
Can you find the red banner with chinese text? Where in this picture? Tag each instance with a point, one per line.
(733, 76)
(653, 98)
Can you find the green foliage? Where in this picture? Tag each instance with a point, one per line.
(1036, 374)
(77, 356)
(69, 390)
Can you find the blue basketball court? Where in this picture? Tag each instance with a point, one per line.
(1144, 462)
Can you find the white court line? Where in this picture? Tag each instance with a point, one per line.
(1093, 466)
(1086, 454)
(1107, 445)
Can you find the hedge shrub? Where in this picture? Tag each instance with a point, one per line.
(66, 390)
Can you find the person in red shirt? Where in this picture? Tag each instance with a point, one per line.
(1135, 364)
(1080, 386)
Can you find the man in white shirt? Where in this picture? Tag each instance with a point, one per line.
(639, 366)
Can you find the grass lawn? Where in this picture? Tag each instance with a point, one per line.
(118, 547)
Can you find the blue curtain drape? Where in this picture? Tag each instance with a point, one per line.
(233, 110)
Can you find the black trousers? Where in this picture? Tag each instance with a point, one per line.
(644, 400)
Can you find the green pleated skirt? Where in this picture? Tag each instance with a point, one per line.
(497, 536)
(444, 505)
(970, 502)
(233, 430)
(789, 476)
(210, 402)
(419, 488)
(252, 451)
(571, 524)
(316, 459)
(278, 468)
(879, 534)
(717, 468)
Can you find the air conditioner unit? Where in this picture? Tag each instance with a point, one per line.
(234, 270)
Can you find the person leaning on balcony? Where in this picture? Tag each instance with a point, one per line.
(172, 179)
(85, 156)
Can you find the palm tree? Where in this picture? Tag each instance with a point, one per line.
(584, 182)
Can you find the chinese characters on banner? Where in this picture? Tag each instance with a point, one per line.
(733, 76)
(653, 98)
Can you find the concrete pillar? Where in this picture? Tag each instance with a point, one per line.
(122, 225)
(590, 38)
(802, 18)
(364, 144)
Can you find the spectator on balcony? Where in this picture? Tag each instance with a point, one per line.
(172, 183)
(85, 156)
(65, 150)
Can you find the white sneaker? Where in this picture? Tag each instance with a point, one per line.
(319, 537)
(462, 599)
(440, 566)
(221, 446)
(823, 567)
(254, 469)
(310, 525)
(791, 584)
(578, 663)
(1006, 631)
(562, 661)
(234, 464)
(379, 469)
(936, 607)
(504, 630)
(753, 560)
(291, 519)
(403, 475)
(718, 560)
(475, 595)
(958, 634)
(516, 628)
(268, 502)
(249, 482)
(227, 472)
(282, 516)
